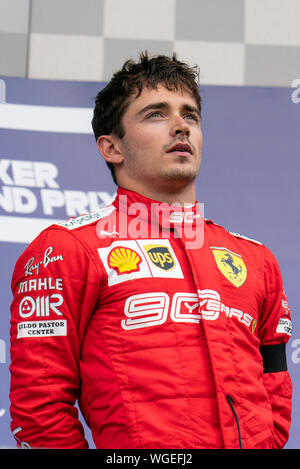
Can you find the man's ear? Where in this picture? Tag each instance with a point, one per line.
(109, 148)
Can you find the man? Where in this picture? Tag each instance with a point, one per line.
(170, 330)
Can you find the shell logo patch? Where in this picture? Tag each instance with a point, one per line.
(124, 260)
(160, 256)
(231, 265)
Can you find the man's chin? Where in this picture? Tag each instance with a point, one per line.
(180, 173)
(178, 177)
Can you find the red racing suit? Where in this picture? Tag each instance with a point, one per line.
(168, 330)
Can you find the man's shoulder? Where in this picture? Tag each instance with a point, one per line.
(73, 230)
(221, 231)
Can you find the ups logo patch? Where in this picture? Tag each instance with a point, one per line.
(160, 256)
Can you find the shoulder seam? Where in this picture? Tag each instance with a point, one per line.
(87, 219)
(238, 235)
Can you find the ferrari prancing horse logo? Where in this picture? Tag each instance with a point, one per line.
(231, 265)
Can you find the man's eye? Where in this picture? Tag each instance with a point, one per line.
(154, 114)
(192, 116)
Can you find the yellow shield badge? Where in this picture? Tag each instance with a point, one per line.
(231, 265)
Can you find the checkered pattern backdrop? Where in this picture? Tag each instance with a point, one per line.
(235, 42)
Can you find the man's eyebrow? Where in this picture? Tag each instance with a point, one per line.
(189, 108)
(159, 105)
(165, 105)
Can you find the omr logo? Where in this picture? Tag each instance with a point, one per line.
(160, 256)
(41, 306)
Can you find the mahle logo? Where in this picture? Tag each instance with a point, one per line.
(160, 256)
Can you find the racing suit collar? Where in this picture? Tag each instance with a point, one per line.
(166, 215)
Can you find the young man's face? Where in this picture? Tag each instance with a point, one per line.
(162, 144)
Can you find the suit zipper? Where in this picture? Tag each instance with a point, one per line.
(230, 402)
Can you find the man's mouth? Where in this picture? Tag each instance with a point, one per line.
(183, 149)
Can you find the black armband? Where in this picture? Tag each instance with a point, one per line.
(274, 358)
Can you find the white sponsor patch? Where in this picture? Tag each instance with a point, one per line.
(284, 326)
(131, 259)
(42, 329)
(87, 219)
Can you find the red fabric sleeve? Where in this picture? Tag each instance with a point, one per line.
(55, 288)
(275, 328)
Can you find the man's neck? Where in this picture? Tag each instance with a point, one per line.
(186, 195)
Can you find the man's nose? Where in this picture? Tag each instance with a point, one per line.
(179, 126)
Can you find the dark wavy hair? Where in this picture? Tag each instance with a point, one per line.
(112, 101)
